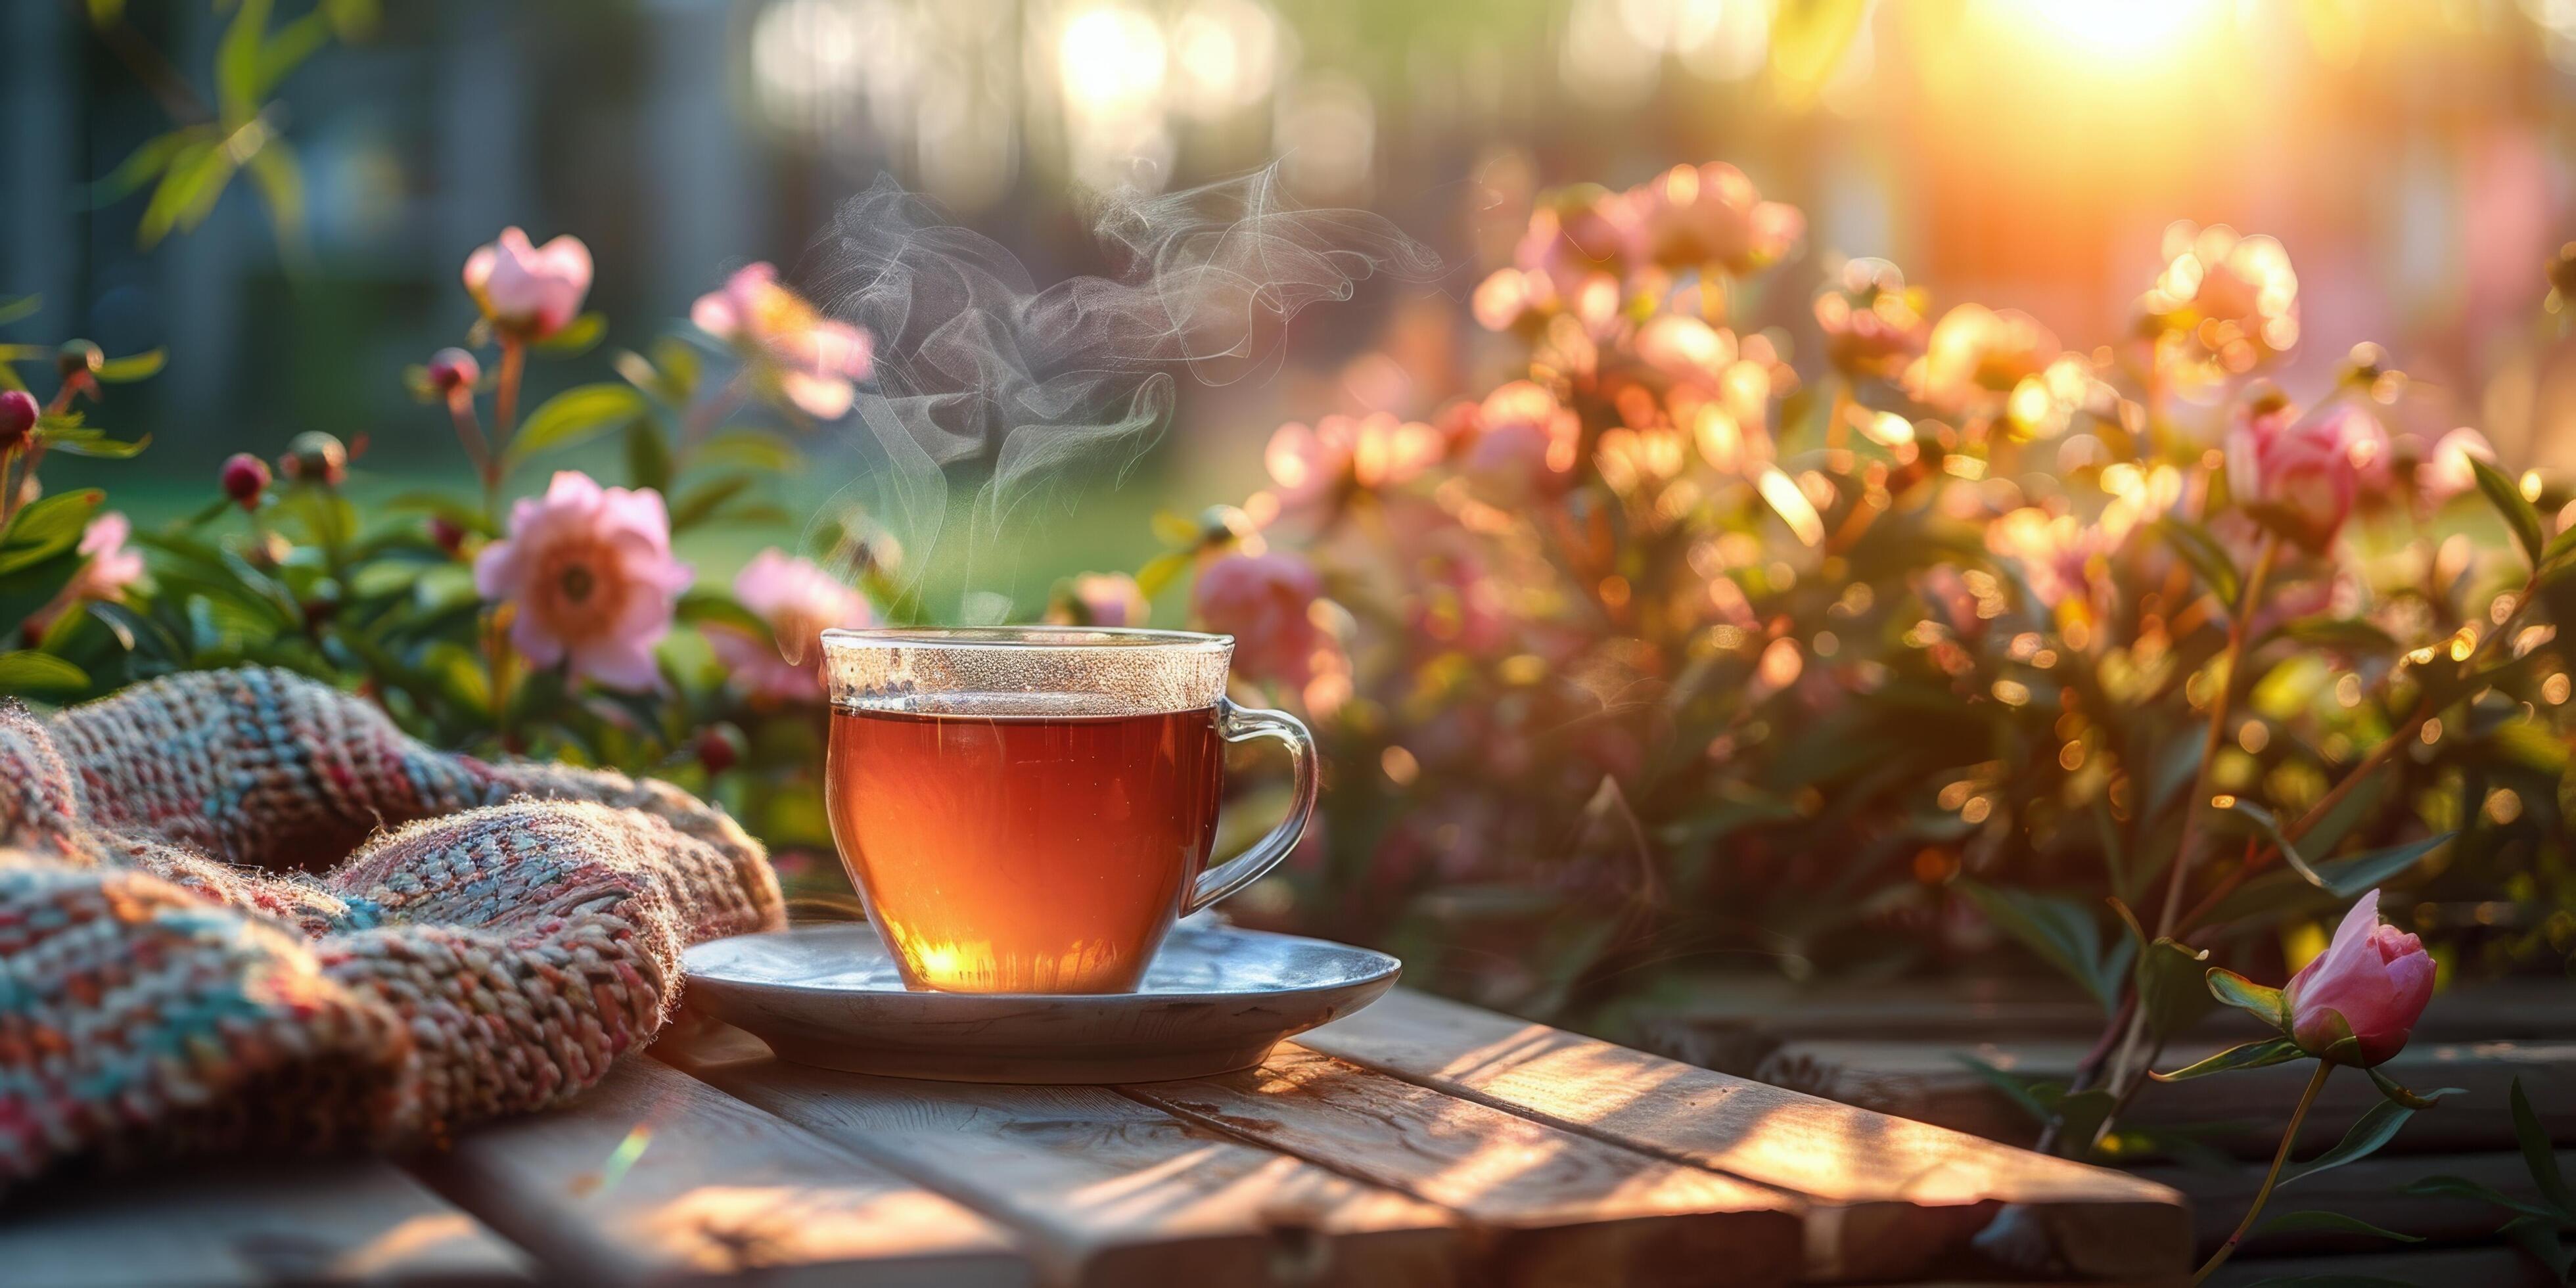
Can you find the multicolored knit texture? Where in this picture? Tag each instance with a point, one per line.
(240, 909)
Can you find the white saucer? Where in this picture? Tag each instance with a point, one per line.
(1215, 1000)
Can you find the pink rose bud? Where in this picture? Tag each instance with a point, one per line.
(18, 413)
(1262, 601)
(720, 747)
(79, 359)
(245, 478)
(529, 290)
(2370, 985)
(449, 535)
(2297, 472)
(453, 369)
(315, 457)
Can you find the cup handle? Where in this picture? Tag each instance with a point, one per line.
(1239, 724)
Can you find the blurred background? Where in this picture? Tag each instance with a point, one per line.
(2413, 155)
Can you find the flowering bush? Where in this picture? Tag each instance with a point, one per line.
(1950, 637)
(557, 633)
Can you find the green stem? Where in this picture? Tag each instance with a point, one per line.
(2219, 703)
(2289, 1136)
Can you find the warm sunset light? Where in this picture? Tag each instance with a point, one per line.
(2135, 32)
(1394, 642)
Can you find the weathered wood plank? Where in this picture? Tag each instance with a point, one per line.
(2372, 1190)
(1109, 1191)
(1732, 1022)
(656, 1177)
(1553, 1206)
(306, 1221)
(1928, 1081)
(1895, 1197)
(2492, 1266)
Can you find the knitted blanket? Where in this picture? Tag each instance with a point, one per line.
(241, 909)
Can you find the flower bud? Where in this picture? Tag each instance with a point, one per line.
(18, 413)
(245, 479)
(78, 359)
(315, 457)
(720, 747)
(449, 535)
(453, 369)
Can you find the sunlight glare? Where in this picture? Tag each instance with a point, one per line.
(2133, 31)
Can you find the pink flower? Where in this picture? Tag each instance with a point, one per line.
(2445, 471)
(2059, 556)
(111, 568)
(813, 359)
(529, 291)
(1378, 450)
(799, 601)
(2296, 474)
(588, 575)
(2370, 985)
(1873, 322)
(1975, 354)
(1519, 442)
(1580, 247)
(1711, 214)
(1263, 602)
(1100, 599)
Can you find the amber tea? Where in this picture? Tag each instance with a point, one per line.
(1025, 854)
(1030, 810)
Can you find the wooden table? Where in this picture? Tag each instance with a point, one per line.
(1419, 1142)
(1902, 1048)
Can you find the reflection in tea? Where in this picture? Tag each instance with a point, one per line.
(1008, 854)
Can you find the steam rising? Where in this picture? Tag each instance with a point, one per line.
(983, 373)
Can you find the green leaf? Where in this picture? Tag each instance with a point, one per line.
(2170, 985)
(747, 449)
(279, 177)
(135, 367)
(2080, 1115)
(1173, 528)
(571, 417)
(2329, 1223)
(714, 608)
(27, 589)
(2205, 554)
(2376, 1127)
(47, 528)
(2342, 634)
(23, 306)
(2389, 1088)
(680, 367)
(700, 503)
(2461, 1187)
(577, 336)
(238, 85)
(95, 443)
(648, 459)
(27, 671)
(2559, 547)
(2345, 879)
(187, 192)
(2265, 1004)
(2252, 1055)
(2270, 826)
(2062, 932)
(2536, 1152)
(2541, 1239)
(2518, 513)
(1808, 40)
(1160, 572)
(2168, 977)
(2021, 1091)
